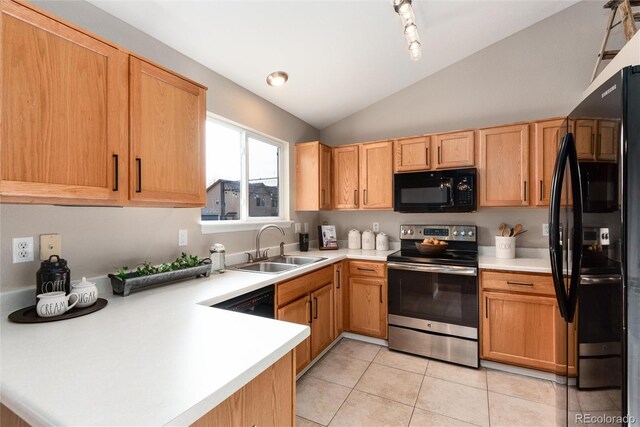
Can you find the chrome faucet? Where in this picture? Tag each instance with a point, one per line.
(262, 256)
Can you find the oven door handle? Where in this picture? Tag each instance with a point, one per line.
(462, 271)
(602, 280)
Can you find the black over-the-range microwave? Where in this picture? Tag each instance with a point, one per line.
(437, 191)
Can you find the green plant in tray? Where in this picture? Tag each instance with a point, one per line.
(146, 268)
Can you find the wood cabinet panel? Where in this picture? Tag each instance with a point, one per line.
(376, 175)
(322, 327)
(608, 140)
(585, 138)
(313, 176)
(547, 140)
(368, 306)
(339, 296)
(504, 166)
(303, 285)
(267, 400)
(520, 329)
(299, 312)
(539, 284)
(454, 150)
(63, 113)
(167, 160)
(346, 170)
(412, 154)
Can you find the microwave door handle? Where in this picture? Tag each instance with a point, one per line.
(555, 235)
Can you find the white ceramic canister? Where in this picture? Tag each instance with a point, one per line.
(505, 247)
(87, 293)
(368, 240)
(382, 242)
(218, 263)
(354, 239)
(52, 304)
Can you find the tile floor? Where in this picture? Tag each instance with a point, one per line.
(362, 384)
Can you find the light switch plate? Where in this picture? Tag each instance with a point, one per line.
(376, 227)
(22, 249)
(182, 237)
(545, 229)
(50, 244)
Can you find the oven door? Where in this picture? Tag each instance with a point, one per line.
(440, 299)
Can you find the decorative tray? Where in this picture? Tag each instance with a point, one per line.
(29, 315)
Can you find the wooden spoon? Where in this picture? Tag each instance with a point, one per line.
(517, 229)
(502, 227)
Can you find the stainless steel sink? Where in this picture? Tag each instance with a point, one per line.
(266, 267)
(295, 260)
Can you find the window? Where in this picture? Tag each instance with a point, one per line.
(244, 175)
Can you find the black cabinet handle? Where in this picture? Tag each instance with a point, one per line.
(364, 197)
(380, 294)
(339, 279)
(439, 157)
(309, 304)
(139, 166)
(541, 190)
(366, 269)
(355, 197)
(524, 186)
(115, 172)
(316, 302)
(486, 308)
(519, 283)
(427, 162)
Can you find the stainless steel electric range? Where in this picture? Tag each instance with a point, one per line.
(433, 300)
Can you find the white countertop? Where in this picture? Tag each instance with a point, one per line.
(532, 260)
(156, 357)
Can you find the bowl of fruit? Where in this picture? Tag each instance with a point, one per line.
(431, 246)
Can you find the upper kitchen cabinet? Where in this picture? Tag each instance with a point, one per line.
(585, 138)
(313, 177)
(412, 154)
(547, 138)
(503, 166)
(608, 140)
(167, 136)
(345, 177)
(376, 175)
(454, 150)
(63, 113)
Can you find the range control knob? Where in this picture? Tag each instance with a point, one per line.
(455, 232)
(411, 232)
(463, 233)
(470, 233)
(403, 232)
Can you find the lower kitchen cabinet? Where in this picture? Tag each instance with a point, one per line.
(268, 400)
(308, 300)
(521, 323)
(368, 298)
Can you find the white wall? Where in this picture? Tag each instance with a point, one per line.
(537, 73)
(94, 240)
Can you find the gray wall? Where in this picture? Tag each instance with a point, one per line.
(94, 240)
(537, 73)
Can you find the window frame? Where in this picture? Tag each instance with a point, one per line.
(247, 223)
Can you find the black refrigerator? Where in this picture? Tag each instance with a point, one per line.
(594, 246)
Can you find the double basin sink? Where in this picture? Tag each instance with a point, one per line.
(278, 264)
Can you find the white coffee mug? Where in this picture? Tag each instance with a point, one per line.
(87, 293)
(55, 303)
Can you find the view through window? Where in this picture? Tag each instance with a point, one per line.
(243, 174)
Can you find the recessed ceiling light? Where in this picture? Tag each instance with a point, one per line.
(277, 78)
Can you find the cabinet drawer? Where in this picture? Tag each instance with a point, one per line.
(303, 285)
(541, 284)
(367, 269)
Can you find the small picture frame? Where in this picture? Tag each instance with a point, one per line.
(327, 237)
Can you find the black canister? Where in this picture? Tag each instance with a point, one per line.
(54, 275)
(304, 242)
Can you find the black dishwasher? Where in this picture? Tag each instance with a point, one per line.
(257, 303)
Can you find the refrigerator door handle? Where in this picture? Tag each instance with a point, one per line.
(566, 300)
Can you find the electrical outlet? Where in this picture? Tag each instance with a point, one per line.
(50, 245)
(545, 229)
(182, 237)
(376, 227)
(22, 249)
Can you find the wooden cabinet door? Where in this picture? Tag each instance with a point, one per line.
(63, 110)
(504, 166)
(322, 333)
(585, 136)
(545, 150)
(325, 177)
(167, 161)
(608, 140)
(368, 306)
(519, 329)
(299, 311)
(376, 175)
(345, 177)
(454, 150)
(339, 297)
(412, 154)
